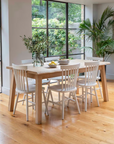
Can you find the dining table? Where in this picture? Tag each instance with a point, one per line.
(45, 72)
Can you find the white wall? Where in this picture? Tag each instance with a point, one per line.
(110, 68)
(5, 44)
(16, 22)
(88, 14)
(20, 24)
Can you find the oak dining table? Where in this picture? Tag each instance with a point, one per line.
(45, 72)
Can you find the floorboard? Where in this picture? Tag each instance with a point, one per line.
(96, 126)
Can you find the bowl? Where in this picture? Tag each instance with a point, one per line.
(64, 61)
(52, 66)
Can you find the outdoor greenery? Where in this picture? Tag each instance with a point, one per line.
(100, 33)
(57, 19)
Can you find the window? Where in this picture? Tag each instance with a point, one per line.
(59, 21)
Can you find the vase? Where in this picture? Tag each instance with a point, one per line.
(38, 60)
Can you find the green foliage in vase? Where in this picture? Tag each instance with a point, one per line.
(100, 33)
(37, 44)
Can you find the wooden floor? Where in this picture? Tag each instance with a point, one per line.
(96, 126)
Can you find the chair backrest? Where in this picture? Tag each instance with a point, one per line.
(48, 59)
(20, 73)
(91, 72)
(70, 72)
(100, 59)
(13, 64)
(28, 61)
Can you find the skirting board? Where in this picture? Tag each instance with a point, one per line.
(6, 90)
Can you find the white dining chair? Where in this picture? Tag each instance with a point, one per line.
(55, 79)
(89, 81)
(27, 61)
(33, 81)
(67, 86)
(100, 59)
(22, 86)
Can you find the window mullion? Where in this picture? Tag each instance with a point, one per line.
(66, 30)
(47, 25)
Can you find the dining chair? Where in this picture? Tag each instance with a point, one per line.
(89, 81)
(100, 59)
(22, 86)
(32, 81)
(67, 86)
(55, 79)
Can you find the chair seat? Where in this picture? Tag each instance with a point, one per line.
(82, 83)
(58, 78)
(58, 88)
(83, 77)
(32, 89)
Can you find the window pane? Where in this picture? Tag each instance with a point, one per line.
(57, 15)
(57, 38)
(76, 56)
(41, 33)
(75, 15)
(75, 42)
(38, 13)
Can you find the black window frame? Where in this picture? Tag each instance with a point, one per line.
(67, 28)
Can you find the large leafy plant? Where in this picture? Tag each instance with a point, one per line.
(100, 33)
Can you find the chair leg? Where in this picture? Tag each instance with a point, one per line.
(63, 106)
(47, 89)
(68, 100)
(85, 99)
(96, 97)
(83, 94)
(91, 99)
(23, 99)
(76, 102)
(32, 100)
(58, 92)
(35, 102)
(16, 103)
(100, 88)
(51, 96)
(48, 98)
(27, 107)
(46, 108)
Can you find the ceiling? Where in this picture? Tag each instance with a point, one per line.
(88, 1)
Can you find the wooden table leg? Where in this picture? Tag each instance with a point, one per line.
(38, 96)
(104, 84)
(12, 92)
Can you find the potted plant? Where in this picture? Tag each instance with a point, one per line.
(37, 45)
(100, 33)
